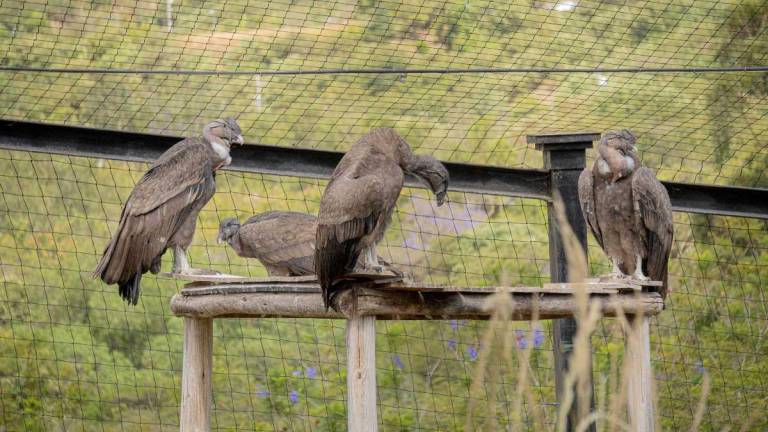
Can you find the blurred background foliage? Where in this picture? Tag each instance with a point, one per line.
(74, 357)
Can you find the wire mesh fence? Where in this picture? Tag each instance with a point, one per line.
(319, 75)
(74, 356)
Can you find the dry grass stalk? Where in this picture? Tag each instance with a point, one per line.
(611, 410)
(702, 403)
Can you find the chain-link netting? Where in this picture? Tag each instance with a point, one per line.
(74, 356)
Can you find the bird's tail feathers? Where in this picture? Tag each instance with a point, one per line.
(333, 261)
(130, 289)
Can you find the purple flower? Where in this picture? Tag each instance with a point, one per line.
(412, 241)
(263, 393)
(522, 342)
(538, 337)
(699, 367)
(311, 373)
(296, 373)
(397, 361)
(472, 351)
(452, 344)
(454, 324)
(294, 397)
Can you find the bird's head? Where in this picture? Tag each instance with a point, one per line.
(618, 155)
(431, 173)
(426, 169)
(227, 229)
(225, 131)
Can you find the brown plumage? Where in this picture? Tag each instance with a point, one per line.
(628, 210)
(162, 210)
(357, 204)
(283, 241)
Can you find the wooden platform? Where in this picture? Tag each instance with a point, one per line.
(387, 296)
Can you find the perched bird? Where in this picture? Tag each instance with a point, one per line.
(628, 210)
(162, 210)
(283, 241)
(356, 206)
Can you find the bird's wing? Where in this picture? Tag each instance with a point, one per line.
(652, 203)
(180, 170)
(587, 201)
(140, 239)
(285, 239)
(159, 204)
(350, 209)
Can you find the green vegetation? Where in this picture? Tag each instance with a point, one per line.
(74, 357)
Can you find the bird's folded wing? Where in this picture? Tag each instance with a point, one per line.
(281, 239)
(351, 206)
(652, 200)
(587, 201)
(180, 171)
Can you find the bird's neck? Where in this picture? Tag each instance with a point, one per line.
(613, 166)
(220, 149)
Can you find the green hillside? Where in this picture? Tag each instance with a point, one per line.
(74, 357)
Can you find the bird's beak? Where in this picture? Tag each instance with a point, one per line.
(219, 239)
(238, 140)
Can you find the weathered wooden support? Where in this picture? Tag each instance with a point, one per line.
(565, 157)
(361, 374)
(640, 379)
(200, 302)
(384, 304)
(196, 390)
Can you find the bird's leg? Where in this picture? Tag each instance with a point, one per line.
(181, 264)
(638, 274)
(616, 272)
(180, 261)
(371, 261)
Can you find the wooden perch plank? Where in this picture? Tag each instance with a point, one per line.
(216, 277)
(402, 305)
(303, 284)
(231, 289)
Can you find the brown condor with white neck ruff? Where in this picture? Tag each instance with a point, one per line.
(162, 210)
(358, 202)
(628, 210)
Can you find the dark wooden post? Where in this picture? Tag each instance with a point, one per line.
(565, 157)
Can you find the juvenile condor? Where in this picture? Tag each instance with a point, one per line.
(162, 210)
(356, 206)
(628, 210)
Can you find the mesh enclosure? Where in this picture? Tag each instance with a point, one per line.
(75, 357)
(694, 127)
(313, 74)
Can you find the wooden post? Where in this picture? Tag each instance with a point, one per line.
(361, 374)
(196, 391)
(565, 157)
(640, 379)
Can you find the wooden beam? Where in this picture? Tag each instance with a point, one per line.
(401, 305)
(361, 374)
(196, 390)
(640, 379)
